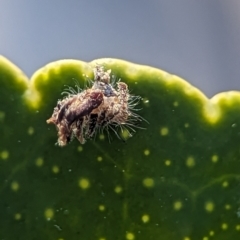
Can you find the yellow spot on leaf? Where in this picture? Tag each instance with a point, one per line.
(2, 116)
(168, 162)
(225, 184)
(101, 137)
(146, 152)
(209, 206)
(177, 205)
(145, 218)
(84, 183)
(205, 238)
(102, 238)
(164, 131)
(228, 207)
(15, 186)
(238, 227)
(190, 162)
(17, 216)
(101, 208)
(118, 189)
(99, 158)
(130, 236)
(80, 148)
(146, 102)
(224, 226)
(30, 131)
(49, 213)
(148, 182)
(175, 104)
(186, 238)
(211, 233)
(125, 134)
(215, 158)
(4, 155)
(33, 96)
(55, 169)
(186, 125)
(39, 162)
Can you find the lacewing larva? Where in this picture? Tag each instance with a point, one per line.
(102, 106)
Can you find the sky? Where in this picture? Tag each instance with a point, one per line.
(196, 40)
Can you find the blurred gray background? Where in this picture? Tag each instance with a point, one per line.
(197, 40)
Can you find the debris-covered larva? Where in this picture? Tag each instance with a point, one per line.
(103, 106)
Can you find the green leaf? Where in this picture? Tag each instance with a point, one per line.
(177, 179)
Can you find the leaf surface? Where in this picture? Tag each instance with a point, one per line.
(177, 179)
